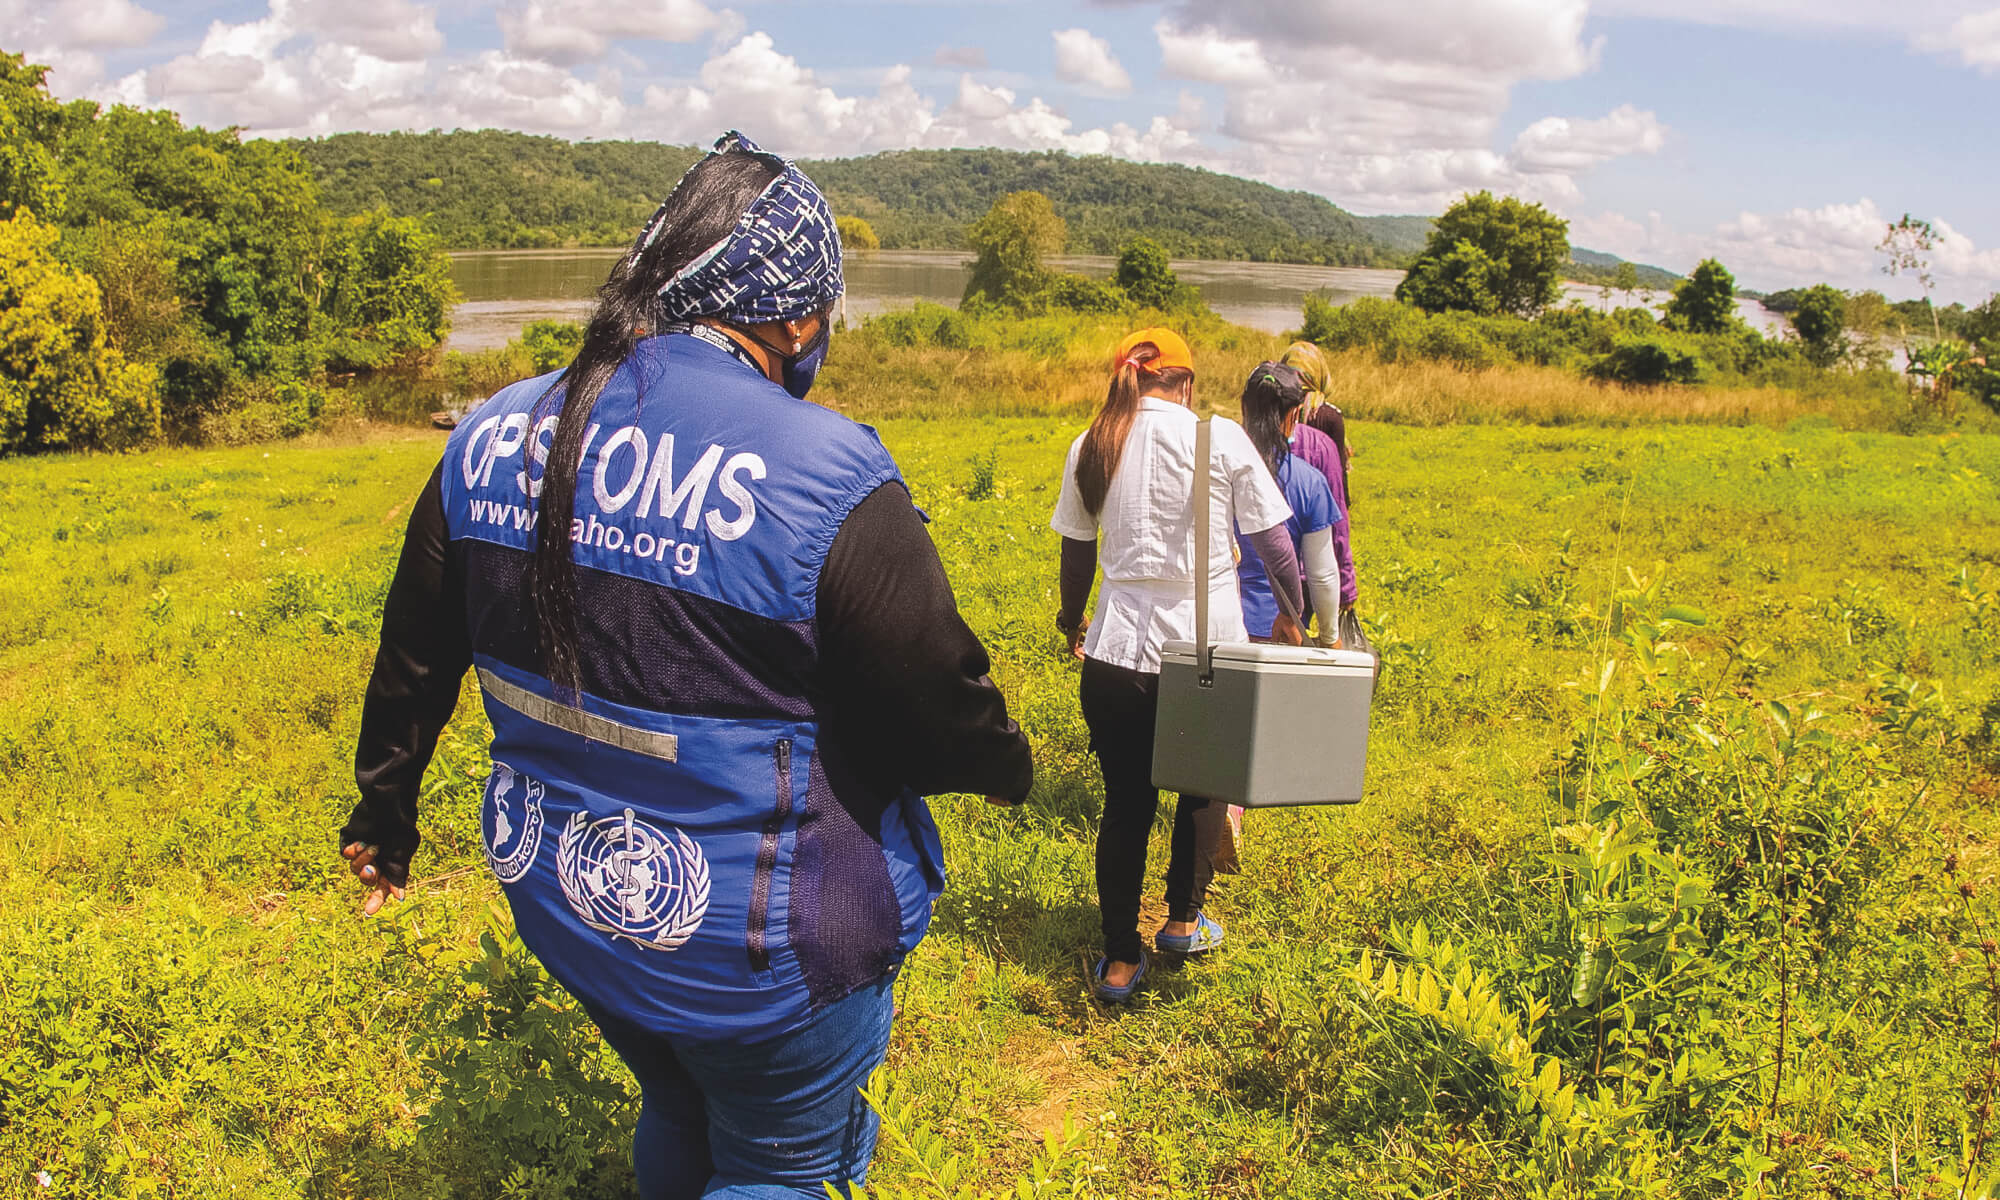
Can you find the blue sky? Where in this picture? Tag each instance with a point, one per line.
(1777, 135)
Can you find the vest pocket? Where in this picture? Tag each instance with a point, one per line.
(767, 860)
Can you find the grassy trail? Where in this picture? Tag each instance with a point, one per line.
(190, 1007)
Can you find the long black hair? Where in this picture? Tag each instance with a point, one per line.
(700, 212)
(1272, 393)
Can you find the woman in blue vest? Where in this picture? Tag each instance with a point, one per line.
(723, 665)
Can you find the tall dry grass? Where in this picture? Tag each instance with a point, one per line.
(1051, 366)
(1431, 393)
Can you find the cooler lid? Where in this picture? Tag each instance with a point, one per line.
(1262, 652)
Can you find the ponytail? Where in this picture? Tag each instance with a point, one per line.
(1104, 444)
(700, 212)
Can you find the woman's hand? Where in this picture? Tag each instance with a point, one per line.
(1286, 632)
(361, 860)
(1076, 637)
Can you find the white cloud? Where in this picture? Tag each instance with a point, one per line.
(66, 37)
(499, 90)
(1792, 17)
(1208, 57)
(1395, 107)
(1082, 57)
(78, 24)
(770, 95)
(969, 57)
(1559, 145)
(1539, 39)
(1974, 38)
(566, 32)
(288, 73)
(1834, 243)
(392, 30)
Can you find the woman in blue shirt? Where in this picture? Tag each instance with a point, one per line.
(1272, 401)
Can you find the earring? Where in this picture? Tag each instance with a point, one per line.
(798, 346)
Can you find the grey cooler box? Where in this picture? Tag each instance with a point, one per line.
(1273, 725)
(1253, 723)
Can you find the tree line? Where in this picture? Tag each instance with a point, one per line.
(159, 279)
(1484, 288)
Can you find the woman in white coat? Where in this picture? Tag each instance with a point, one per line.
(1130, 477)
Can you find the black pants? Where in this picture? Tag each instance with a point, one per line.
(1119, 706)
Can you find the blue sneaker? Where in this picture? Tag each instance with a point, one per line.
(1109, 993)
(1207, 936)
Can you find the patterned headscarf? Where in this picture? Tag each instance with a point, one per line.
(781, 262)
(1310, 362)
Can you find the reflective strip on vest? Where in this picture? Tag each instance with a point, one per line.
(652, 744)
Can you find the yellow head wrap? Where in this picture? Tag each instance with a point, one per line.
(1310, 362)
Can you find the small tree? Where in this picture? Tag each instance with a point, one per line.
(1146, 275)
(391, 291)
(30, 119)
(1461, 279)
(1705, 302)
(60, 385)
(1867, 320)
(1505, 254)
(1626, 281)
(857, 234)
(552, 344)
(1909, 243)
(1011, 240)
(1821, 323)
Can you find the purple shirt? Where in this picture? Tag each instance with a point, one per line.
(1318, 449)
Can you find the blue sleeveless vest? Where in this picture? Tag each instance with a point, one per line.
(682, 847)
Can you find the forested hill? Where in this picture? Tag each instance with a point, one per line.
(925, 198)
(492, 188)
(498, 189)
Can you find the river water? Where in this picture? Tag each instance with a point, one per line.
(506, 289)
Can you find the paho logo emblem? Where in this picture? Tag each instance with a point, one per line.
(513, 820)
(627, 879)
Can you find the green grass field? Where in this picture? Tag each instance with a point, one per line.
(1680, 851)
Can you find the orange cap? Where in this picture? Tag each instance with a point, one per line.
(1172, 347)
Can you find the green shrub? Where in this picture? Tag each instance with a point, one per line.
(551, 345)
(1643, 361)
(60, 384)
(926, 325)
(1369, 322)
(1458, 339)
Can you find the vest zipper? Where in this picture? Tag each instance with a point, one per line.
(767, 860)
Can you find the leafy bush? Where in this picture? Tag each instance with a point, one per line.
(926, 324)
(60, 384)
(1457, 339)
(523, 1098)
(1643, 360)
(551, 345)
(857, 234)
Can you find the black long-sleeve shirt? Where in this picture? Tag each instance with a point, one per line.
(903, 681)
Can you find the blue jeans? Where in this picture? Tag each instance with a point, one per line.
(767, 1120)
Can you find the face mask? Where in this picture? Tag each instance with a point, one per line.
(800, 370)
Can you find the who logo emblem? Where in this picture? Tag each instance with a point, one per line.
(513, 822)
(627, 879)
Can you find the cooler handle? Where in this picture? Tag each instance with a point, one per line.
(1204, 654)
